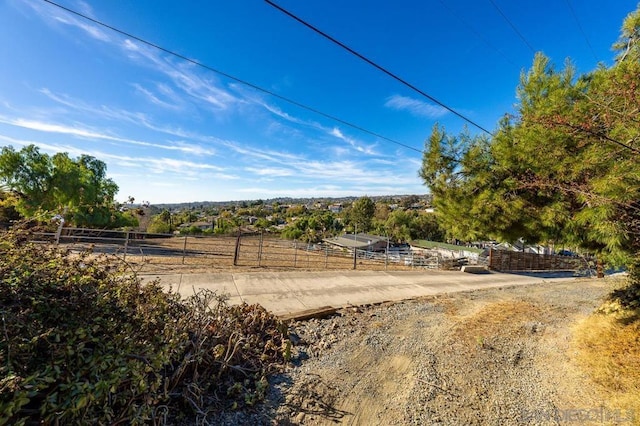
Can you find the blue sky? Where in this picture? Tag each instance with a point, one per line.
(170, 131)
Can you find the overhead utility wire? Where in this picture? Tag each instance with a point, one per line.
(231, 77)
(477, 33)
(389, 73)
(515, 29)
(384, 70)
(584, 34)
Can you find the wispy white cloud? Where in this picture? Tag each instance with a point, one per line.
(154, 99)
(326, 191)
(91, 134)
(161, 165)
(91, 30)
(51, 148)
(141, 119)
(259, 154)
(358, 147)
(335, 159)
(103, 111)
(54, 15)
(106, 112)
(332, 131)
(183, 76)
(189, 80)
(85, 8)
(385, 162)
(415, 106)
(270, 172)
(156, 165)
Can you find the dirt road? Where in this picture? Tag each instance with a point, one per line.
(491, 357)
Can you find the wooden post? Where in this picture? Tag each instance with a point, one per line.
(260, 247)
(386, 256)
(355, 257)
(295, 254)
(59, 230)
(126, 244)
(490, 265)
(355, 249)
(599, 268)
(326, 256)
(236, 254)
(184, 249)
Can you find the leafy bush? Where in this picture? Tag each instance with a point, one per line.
(85, 342)
(192, 230)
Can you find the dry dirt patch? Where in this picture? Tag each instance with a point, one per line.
(497, 357)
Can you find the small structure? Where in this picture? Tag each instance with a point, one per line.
(359, 242)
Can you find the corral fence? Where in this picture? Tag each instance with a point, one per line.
(511, 261)
(158, 252)
(161, 252)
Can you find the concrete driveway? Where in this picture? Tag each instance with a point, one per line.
(290, 292)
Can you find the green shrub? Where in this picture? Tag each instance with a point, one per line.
(85, 342)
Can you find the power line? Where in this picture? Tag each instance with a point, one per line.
(298, 104)
(474, 31)
(231, 77)
(384, 70)
(584, 34)
(515, 29)
(389, 73)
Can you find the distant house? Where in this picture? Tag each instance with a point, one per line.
(335, 208)
(359, 241)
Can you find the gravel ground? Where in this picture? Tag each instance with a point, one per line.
(488, 357)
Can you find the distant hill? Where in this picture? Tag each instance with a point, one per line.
(281, 200)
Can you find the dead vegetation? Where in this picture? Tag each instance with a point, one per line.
(85, 342)
(608, 349)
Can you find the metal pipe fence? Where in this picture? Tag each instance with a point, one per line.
(158, 252)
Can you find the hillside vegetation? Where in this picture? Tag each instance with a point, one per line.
(84, 342)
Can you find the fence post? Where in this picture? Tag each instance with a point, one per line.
(490, 266)
(355, 257)
(295, 253)
(599, 268)
(126, 244)
(59, 230)
(260, 247)
(326, 256)
(236, 254)
(184, 249)
(386, 255)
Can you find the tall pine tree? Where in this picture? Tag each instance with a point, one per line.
(564, 169)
